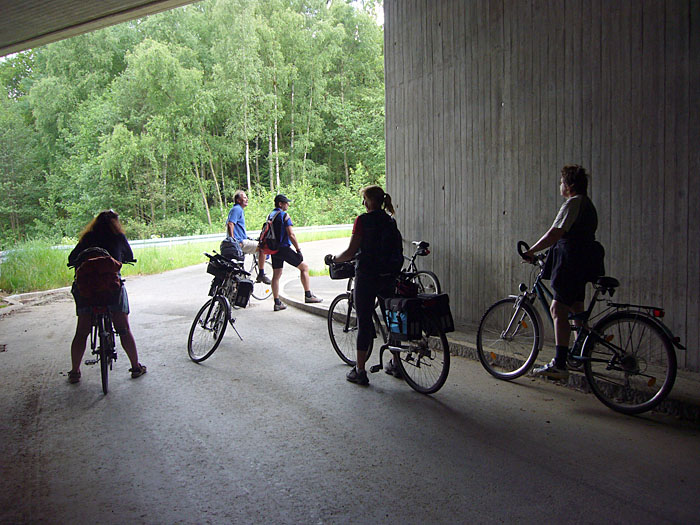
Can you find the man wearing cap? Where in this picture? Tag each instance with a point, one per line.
(235, 227)
(286, 254)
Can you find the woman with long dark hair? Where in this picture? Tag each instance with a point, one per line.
(104, 231)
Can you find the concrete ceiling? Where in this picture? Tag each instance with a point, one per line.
(31, 23)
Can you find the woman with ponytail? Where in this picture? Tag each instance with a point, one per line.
(375, 244)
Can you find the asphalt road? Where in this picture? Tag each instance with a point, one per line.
(268, 431)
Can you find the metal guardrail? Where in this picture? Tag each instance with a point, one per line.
(171, 241)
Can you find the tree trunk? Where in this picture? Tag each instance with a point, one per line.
(308, 130)
(270, 160)
(345, 147)
(291, 140)
(247, 148)
(257, 160)
(216, 181)
(277, 151)
(201, 190)
(165, 187)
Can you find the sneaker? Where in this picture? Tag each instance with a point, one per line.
(137, 372)
(392, 369)
(73, 377)
(312, 299)
(262, 278)
(280, 306)
(551, 371)
(357, 376)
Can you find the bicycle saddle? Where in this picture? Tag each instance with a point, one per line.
(608, 282)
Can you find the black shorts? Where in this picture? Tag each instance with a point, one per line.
(286, 255)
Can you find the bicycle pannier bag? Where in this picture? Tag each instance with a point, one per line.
(97, 277)
(403, 316)
(343, 270)
(269, 241)
(245, 288)
(231, 249)
(439, 306)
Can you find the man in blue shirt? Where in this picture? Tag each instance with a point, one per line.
(283, 224)
(235, 227)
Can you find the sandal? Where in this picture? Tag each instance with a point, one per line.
(137, 372)
(73, 377)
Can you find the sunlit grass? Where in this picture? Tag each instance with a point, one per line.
(35, 265)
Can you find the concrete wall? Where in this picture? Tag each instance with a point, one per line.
(486, 100)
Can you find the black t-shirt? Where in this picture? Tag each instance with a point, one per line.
(117, 246)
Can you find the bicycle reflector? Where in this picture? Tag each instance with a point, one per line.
(658, 312)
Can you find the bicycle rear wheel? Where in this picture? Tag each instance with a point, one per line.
(261, 291)
(632, 367)
(106, 350)
(508, 339)
(208, 329)
(427, 282)
(342, 328)
(425, 362)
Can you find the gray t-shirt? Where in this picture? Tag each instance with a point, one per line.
(578, 218)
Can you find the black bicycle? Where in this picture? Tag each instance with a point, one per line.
(627, 356)
(103, 345)
(424, 362)
(229, 289)
(426, 280)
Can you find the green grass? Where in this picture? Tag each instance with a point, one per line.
(35, 265)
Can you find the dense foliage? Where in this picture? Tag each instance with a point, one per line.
(163, 118)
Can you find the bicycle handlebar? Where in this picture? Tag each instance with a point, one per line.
(524, 247)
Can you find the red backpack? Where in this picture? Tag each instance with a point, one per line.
(97, 277)
(269, 241)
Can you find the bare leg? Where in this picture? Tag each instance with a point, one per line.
(77, 347)
(560, 315)
(304, 276)
(276, 275)
(361, 359)
(121, 324)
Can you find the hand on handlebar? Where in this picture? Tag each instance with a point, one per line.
(328, 259)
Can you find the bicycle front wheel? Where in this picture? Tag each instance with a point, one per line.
(208, 329)
(425, 362)
(508, 339)
(261, 291)
(629, 363)
(342, 328)
(105, 354)
(427, 282)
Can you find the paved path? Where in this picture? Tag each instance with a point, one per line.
(268, 431)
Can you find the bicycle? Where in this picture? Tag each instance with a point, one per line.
(103, 343)
(261, 291)
(424, 362)
(426, 280)
(229, 289)
(628, 355)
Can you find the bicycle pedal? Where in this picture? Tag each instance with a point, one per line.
(375, 368)
(91, 361)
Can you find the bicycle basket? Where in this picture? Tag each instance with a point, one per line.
(342, 270)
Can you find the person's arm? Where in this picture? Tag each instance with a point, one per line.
(127, 253)
(229, 229)
(351, 250)
(293, 238)
(548, 239)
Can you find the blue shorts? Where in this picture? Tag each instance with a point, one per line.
(82, 308)
(286, 255)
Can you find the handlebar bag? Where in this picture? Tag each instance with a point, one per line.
(403, 317)
(231, 249)
(343, 270)
(438, 304)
